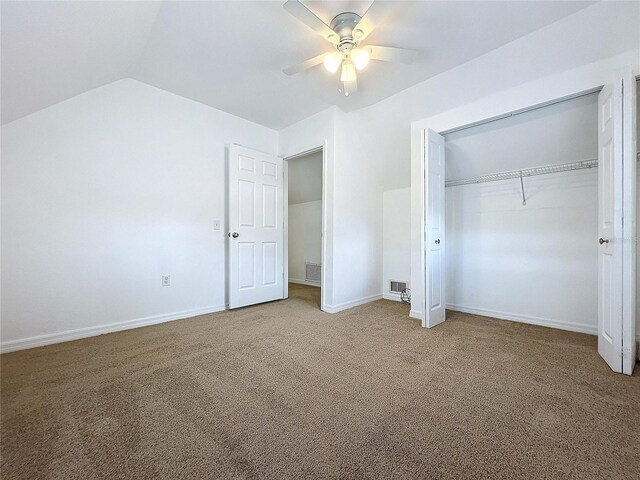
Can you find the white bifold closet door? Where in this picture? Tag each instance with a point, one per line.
(256, 227)
(434, 230)
(616, 242)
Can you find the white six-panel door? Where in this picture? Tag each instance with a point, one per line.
(610, 194)
(434, 230)
(256, 227)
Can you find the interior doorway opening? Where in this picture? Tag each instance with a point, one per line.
(304, 226)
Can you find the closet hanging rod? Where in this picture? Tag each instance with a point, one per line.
(525, 172)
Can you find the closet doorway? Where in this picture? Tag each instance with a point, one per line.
(523, 219)
(521, 210)
(304, 222)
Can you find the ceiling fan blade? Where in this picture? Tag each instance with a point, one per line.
(312, 62)
(392, 54)
(306, 16)
(371, 19)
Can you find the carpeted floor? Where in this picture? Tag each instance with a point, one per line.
(285, 391)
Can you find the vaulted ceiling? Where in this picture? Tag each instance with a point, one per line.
(230, 54)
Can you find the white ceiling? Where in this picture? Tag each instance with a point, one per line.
(52, 51)
(230, 54)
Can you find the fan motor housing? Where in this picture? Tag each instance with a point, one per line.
(343, 24)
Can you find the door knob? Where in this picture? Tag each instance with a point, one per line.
(235, 234)
(602, 240)
(438, 241)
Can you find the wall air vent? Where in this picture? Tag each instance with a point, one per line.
(397, 287)
(312, 272)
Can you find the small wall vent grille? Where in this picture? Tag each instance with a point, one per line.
(312, 272)
(397, 287)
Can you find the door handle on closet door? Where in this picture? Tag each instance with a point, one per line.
(438, 241)
(234, 234)
(602, 240)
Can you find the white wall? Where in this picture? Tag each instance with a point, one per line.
(305, 238)
(396, 259)
(353, 208)
(305, 214)
(535, 263)
(357, 216)
(309, 134)
(104, 193)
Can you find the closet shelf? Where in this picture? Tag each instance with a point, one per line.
(525, 172)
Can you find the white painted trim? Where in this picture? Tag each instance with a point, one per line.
(76, 334)
(304, 282)
(354, 303)
(629, 224)
(392, 296)
(417, 314)
(516, 317)
(326, 259)
(285, 217)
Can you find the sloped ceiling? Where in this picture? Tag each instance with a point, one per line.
(52, 51)
(230, 54)
(561, 133)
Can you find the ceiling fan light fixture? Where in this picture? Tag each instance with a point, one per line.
(332, 61)
(348, 73)
(360, 57)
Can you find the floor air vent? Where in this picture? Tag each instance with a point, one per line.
(312, 272)
(397, 287)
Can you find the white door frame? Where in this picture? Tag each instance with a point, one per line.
(629, 233)
(444, 120)
(323, 278)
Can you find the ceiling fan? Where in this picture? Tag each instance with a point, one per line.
(346, 32)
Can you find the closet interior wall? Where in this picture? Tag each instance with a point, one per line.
(533, 262)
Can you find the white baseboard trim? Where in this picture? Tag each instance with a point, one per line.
(417, 314)
(76, 334)
(354, 303)
(516, 317)
(392, 296)
(304, 282)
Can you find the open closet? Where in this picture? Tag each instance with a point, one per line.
(530, 216)
(521, 203)
(304, 222)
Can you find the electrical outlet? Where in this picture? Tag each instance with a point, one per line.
(216, 224)
(166, 280)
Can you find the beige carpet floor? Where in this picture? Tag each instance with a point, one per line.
(285, 391)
